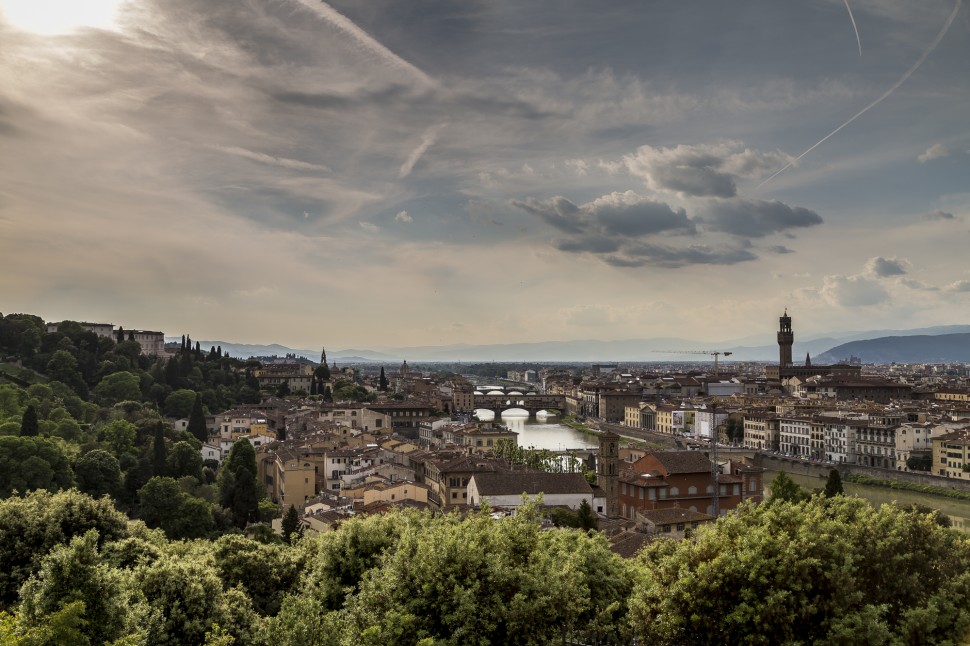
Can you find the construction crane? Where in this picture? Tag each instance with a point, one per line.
(713, 353)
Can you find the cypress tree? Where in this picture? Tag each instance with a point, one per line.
(587, 520)
(28, 424)
(383, 381)
(198, 350)
(131, 335)
(183, 343)
(833, 486)
(245, 500)
(197, 420)
(237, 483)
(159, 451)
(172, 374)
(291, 526)
(121, 334)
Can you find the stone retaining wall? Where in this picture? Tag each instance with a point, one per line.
(801, 467)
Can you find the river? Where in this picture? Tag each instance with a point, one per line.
(957, 510)
(543, 432)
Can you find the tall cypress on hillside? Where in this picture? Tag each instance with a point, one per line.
(197, 425)
(28, 423)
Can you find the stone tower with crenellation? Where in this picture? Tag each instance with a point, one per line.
(785, 340)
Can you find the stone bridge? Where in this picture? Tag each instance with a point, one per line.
(529, 402)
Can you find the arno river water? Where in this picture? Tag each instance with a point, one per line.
(543, 432)
(548, 433)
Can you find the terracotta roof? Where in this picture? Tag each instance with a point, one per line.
(682, 461)
(511, 484)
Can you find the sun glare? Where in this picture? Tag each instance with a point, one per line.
(53, 17)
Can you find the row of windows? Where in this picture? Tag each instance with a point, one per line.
(661, 493)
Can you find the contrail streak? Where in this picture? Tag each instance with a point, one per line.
(363, 39)
(895, 86)
(427, 140)
(854, 28)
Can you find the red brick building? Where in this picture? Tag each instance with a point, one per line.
(683, 479)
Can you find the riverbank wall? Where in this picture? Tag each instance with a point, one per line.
(801, 467)
(661, 440)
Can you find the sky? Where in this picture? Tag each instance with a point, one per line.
(431, 172)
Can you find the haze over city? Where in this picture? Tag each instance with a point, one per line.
(425, 173)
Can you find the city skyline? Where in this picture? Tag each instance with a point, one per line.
(432, 173)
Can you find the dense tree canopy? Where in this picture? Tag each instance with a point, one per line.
(29, 463)
(821, 571)
(825, 570)
(31, 526)
(118, 387)
(98, 473)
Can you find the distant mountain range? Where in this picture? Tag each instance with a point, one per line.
(923, 348)
(940, 343)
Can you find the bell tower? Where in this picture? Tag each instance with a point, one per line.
(607, 471)
(785, 340)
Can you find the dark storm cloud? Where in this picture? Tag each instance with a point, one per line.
(617, 215)
(617, 228)
(587, 244)
(752, 218)
(556, 211)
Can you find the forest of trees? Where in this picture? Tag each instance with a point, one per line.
(114, 531)
(78, 410)
(822, 571)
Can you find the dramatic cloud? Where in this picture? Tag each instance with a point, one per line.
(880, 267)
(558, 212)
(935, 151)
(700, 171)
(853, 291)
(403, 216)
(756, 218)
(618, 229)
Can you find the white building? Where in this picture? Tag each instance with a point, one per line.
(795, 436)
(705, 420)
(507, 489)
